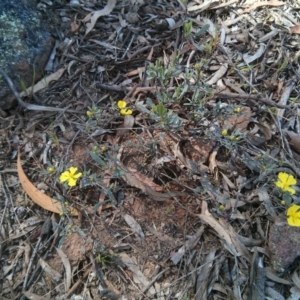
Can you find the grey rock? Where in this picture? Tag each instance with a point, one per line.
(284, 244)
(25, 45)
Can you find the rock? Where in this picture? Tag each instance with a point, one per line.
(132, 17)
(284, 244)
(25, 45)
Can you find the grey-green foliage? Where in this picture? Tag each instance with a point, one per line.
(166, 118)
(162, 74)
(188, 81)
(177, 84)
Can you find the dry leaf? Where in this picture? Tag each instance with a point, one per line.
(135, 226)
(270, 273)
(218, 75)
(239, 246)
(233, 86)
(74, 27)
(228, 181)
(248, 58)
(105, 185)
(133, 181)
(258, 140)
(189, 163)
(212, 162)
(144, 179)
(126, 126)
(37, 196)
(206, 217)
(239, 121)
(53, 274)
(67, 266)
(295, 29)
(93, 17)
(225, 4)
(255, 140)
(204, 278)
(205, 5)
(134, 268)
(263, 3)
(257, 278)
(43, 83)
(273, 294)
(188, 245)
(294, 140)
(32, 296)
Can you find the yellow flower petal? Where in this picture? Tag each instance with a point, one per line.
(284, 182)
(70, 176)
(72, 182)
(293, 209)
(293, 215)
(78, 175)
(125, 112)
(73, 170)
(283, 176)
(64, 176)
(291, 180)
(279, 184)
(290, 190)
(121, 104)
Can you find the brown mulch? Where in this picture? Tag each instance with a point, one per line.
(170, 207)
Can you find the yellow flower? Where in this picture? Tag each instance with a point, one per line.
(224, 132)
(282, 202)
(103, 148)
(51, 170)
(284, 182)
(125, 111)
(197, 66)
(70, 176)
(293, 215)
(89, 113)
(221, 207)
(237, 110)
(122, 104)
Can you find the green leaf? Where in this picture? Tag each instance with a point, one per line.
(161, 110)
(98, 205)
(184, 90)
(287, 198)
(202, 30)
(97, 159)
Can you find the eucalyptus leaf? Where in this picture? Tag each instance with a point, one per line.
(202, 30)
(97, 159)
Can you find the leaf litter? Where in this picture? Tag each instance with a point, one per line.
(168, 207)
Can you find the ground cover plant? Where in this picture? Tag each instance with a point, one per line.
(169, 168)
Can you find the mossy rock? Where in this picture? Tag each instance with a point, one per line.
(25, 46)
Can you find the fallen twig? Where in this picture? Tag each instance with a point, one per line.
(226, 95)
(33, 106)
